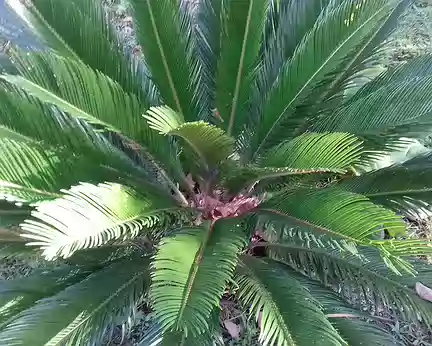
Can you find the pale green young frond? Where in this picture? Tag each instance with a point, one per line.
(210, 143)
(337, 151)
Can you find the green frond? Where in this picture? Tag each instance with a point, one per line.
(102, 256)
(190, 273)
(394, 105)
(89, 216)
(337, 151)
(211, 337)
(209, 142)
(290, 315)
(277, 231)
(14, 250)
(24, 118)
(403, 187)
(207, 36)
(297, 159)
(355, 327)
(169, 53)
(67, 84)
(243, 23)
(11, 244)
(363, 58)
(338, 29)
(364, 274)
(29, 172)
(347, 216)
(96, 44)
(49, 97)
(80, 313)
(238, 178)
(287, 24)
(334, 211)
(20, 294)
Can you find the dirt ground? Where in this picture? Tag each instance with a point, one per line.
(414, 34)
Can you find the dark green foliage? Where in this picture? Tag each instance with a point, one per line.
(220, 166)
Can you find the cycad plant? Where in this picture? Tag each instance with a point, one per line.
(222, 163)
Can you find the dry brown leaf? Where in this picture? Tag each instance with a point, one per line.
(233, 329)
(423, 291)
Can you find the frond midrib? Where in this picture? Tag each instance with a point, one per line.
(192, 275)
(310, 79)
(164, 60)
(312, 225)
(399, 192)
(240, 69)
(346, 68)
(360, 268)
(7, 185)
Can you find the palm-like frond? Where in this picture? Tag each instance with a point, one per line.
(366, 55)
(396, 104)
(24, 118)
(169, 53)
(289, 314)
(53, 79)
(208, 142)
(297, 157)
(11, 214)
(96, 44)
(20, 294)
(348, 216)
(363, 274)
(355, 327)
(73, 312)
(29, 172)
(243, 23)
(208, 28)
(190, 272)
(340, 150)
(340, 212)
(90, 216)
(337, 30)
(288, 22)
(278, 177)
(403, 187)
